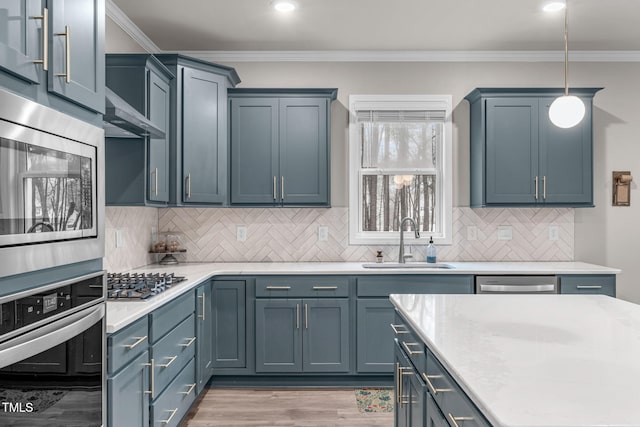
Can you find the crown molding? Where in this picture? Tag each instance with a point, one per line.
(413, 56)
(122, 20)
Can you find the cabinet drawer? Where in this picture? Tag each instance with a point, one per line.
(451, 400)
(410, 343)
(169, 315)
(384, 285)
(588, 284)
(127, 344)
(172, 352)
(309, 287)
(173, 403)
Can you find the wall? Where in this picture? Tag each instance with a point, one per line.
(134, 226)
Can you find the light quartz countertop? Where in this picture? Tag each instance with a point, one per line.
(122, 313)
(536, 360)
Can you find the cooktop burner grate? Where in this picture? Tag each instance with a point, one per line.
(128, 286)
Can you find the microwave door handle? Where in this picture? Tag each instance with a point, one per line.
(550, 287)
(49, 336)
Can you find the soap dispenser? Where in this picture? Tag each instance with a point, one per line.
(431, 251)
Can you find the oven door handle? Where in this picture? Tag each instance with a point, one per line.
(49, 336)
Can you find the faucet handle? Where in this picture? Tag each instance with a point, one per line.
(407, 256)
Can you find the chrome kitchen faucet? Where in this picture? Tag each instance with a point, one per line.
(416, 232)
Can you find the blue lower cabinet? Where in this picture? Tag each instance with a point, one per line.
(278, 335)
(373, 343)
(228, 317)
(174, 402)
(204, 335)
(325, 337)
(597, 284)
(434, 417)
(172, 352)
(128, 394)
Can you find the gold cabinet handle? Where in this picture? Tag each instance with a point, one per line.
(400, 373)
(434, 391)
(297, 316)
(306, 316)
(135, 344)
(325, 288)
(166, 365)
(282, 188)
(588, 287)
(188, 392)
(155, 178)
(535, 180)
(67, 54)
(278, 288)
(544, 187)
(188, 186)
(168, 420)
(152, 392)
(189, 342)
(396, 331)
(409, 351)
(45, 39)
(203, 297)
(454, 420)
(274, 188)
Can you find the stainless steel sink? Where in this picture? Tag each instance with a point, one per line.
(425, 265)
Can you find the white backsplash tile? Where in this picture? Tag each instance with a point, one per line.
(291, 234)
(134, 225)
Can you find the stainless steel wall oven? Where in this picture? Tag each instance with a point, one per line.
(52, 354)
(51, 187)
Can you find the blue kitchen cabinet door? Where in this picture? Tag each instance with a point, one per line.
(325, 337)
(433, 416)
(21, 38)
(76, 49)
(278, 335)
(204, 336)
(158, 111)
(304, 151)
(228, 315)
(254, 151)
(204, 137)
(374, 342)
(566, 158)
(512, 150)
(128, 396)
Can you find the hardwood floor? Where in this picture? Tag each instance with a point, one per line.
(285, 407)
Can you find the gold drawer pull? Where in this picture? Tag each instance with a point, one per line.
(455, 420)
(188, 392)
(325, 288)
(434, 391)
(278, 288)
(67, 54)
(188, 344)
(152, 392)
(135, 344)
(409, 351)
(397, 332)
(168, 420)
(45, 39)
(166, 365)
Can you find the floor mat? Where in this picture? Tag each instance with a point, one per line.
(374, 399)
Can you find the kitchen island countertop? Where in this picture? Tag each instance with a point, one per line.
(122, 313)
(536, 360)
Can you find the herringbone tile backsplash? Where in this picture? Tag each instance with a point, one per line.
(290, 234)
(134, 225)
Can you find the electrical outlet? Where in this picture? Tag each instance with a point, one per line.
(241, 233)
(119, 239)
(323, 233)
(472, 232)
(554, 232)
(505, 232)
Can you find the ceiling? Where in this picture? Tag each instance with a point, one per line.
(385, 25)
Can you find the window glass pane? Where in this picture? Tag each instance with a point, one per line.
(386, 199)
(400, 145)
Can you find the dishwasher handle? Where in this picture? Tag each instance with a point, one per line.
(517, 289)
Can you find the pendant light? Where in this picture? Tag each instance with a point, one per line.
(566, 111)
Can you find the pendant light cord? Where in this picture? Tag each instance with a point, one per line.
(566, 48)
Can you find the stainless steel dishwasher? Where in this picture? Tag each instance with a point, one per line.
(516, 285)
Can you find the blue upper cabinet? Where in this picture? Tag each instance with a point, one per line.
(280, 146)
(519, 158)
(52, 52)
(198, 135)
(76, 41)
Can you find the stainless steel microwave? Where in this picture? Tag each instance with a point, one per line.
(51, 187)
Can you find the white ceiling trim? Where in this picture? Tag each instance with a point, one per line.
(122, 20)
(414, 56)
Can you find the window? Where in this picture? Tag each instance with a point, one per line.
(399, 166)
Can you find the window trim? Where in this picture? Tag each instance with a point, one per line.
(444, 183)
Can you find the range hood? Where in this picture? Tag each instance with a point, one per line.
(121, 120)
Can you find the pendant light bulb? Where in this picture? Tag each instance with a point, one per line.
(566, 111)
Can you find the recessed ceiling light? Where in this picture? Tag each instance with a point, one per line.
(284, 6)
(554, 6)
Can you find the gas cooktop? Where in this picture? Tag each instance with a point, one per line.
(131, 286)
